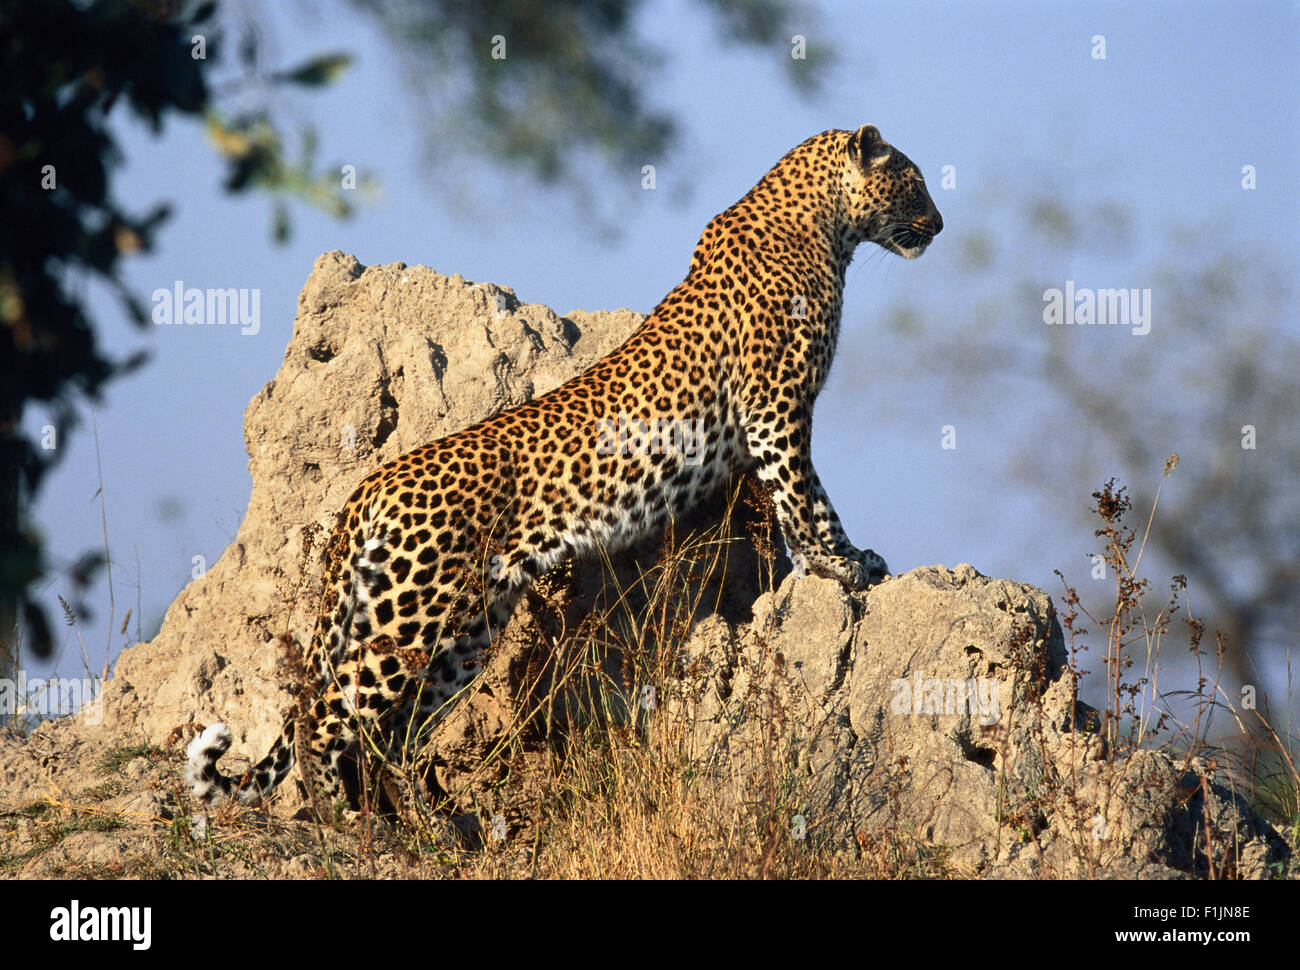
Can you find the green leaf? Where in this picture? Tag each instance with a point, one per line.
(281, 227)
(316, 72)
(204, 12)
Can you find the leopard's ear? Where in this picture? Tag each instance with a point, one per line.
(867, 149)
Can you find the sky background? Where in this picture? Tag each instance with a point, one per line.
(1008, 94)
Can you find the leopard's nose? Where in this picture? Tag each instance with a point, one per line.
(930, 225)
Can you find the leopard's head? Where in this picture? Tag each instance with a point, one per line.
(886, 198)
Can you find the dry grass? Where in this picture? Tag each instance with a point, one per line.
(1136, 717)
(622, 792)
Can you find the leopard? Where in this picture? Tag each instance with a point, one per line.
(432, 552)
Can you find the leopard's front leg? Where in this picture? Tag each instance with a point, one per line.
(831, 531)
(808, 521)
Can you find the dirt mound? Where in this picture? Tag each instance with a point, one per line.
(937, 707)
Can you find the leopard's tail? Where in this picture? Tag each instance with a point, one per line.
(210, 785)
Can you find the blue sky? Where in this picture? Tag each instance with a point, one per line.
(1008, 94)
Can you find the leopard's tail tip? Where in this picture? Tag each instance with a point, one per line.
(201, 763)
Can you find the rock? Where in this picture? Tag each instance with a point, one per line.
(938, 710)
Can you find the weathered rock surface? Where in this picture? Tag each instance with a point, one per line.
(936, 708)
(939, 708)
